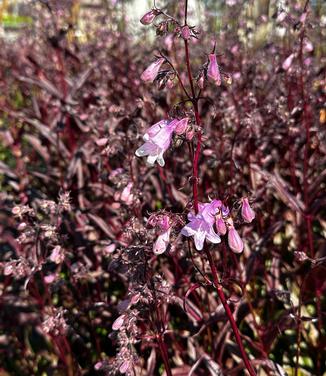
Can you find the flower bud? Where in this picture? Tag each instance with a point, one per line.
(149, 17)
(181, 126)
(185, 32)
(220, 226)
(213, 70)
(201, 82)
(151, 72)
(234, 240)
(247, 213)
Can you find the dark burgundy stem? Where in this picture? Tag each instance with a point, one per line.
(164, 354)
(229, 314)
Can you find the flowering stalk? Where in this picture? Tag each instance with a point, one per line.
(217, 285)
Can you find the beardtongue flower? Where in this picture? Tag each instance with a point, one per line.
(213, 70)
(149, 17)
(201, 224)
(158, 139)
(247, 213)
(151, 72)
(234, 240)
(162, 242)
(163, 239)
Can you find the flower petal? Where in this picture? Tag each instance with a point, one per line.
(151, 159)
(212, 236)
(160, 159)
(199, 238)
(146, 149)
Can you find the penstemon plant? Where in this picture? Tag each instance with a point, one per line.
(159, 215)
(204, 218)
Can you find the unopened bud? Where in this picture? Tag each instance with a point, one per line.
(247, 213)
(185, 32)
(220, 226)
(149, 17)
(234, 240)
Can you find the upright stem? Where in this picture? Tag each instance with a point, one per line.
(198, 133)
(229, 314)
(218, 286)
(164, 354)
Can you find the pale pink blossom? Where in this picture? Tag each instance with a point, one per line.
(158, 139)
(201, 224)
(162, 242)
(247, 213)
(213, 70)
(163, 239)
(151, 72)
(234, 240)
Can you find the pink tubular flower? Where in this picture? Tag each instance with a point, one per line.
(201, 224)
(151, 72)
(213, 70)
(162, 242)
(158, 139)
(247, 213)
(163, 239)
(234, 240)
(149, 17)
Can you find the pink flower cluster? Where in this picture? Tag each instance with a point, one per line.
(212, 221)
(201, 225)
